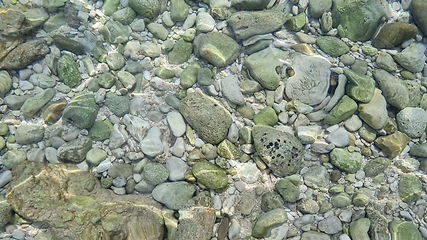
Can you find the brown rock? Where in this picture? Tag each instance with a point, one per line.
(25, 54)
(75, 206)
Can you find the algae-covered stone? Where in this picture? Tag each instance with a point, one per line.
(417, 10)
(332, 45)
(344, 109)
(150, 49)
(288, 190)
(361, 197)
(33, 104)
(394, 91)
(341, 200)
(189, 75)
(204, 76)
(419, 150)
(295, 23)
(318, 7)
(345, 160)
(410, 188)
(393, 34)
(68, 72)
(392, 144)
(404, 230)
(82, 110)
(75, 150)
(147, 8)
(71, 202)
(110, 6)
(174, 194)
(106, 80)
(361, 87)
(227, 149)
(357, 20)
(270, 201)
(181, 52)
(158, 30)
(249, 23)
(27, 134)
(155, 173)
(115, 32)
(412, 58)
(269, 220)
(210, 175)
(13, 157)
(263, 66)
(198, 110)
(115, 60)
(281, 151)
(412, 121)
(119, 105)
(65, 43)
(267, 116)
(179, 10)
(310, 83)
(100, 130)
(376, 166)
(125, 15)
(217, 48)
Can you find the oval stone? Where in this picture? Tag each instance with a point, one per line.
(210, 175)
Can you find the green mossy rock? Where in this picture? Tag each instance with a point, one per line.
(345, 160)
(210, 175)
(68, 72)
(357, 20)
(332, 45)
(217, 48)
(198, 109)
(344, 109)
(82, 110)
(410, 188)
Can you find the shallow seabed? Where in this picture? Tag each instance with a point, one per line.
(214, 119)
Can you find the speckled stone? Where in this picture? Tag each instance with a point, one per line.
(345, 160)
(281, 151)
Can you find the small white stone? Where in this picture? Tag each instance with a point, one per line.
(177, 169)
(176, 123)
(152, 145)
(249, 173)
(5, 178)
(178, 148)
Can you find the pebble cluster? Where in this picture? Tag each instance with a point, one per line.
(240, 119)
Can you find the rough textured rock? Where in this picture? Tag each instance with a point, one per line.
(82, 110)
(281, 151)
(357, 20)
(25, 54)
(196, 219)
(394, 91)
(198, 110)
(249, 23)
(71, 202)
